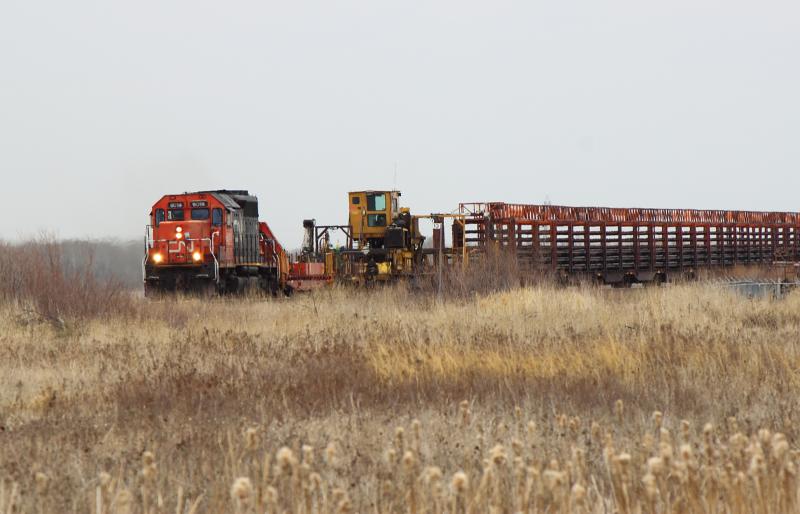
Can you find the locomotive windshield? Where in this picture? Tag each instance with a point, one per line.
(175, 215)
(200, 214)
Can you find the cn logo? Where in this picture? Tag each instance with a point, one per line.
(180, 247)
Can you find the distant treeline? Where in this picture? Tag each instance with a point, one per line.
(118, 260)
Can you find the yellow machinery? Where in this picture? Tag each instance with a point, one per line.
(384, 241)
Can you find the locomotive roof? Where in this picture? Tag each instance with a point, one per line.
(236, 199)
(231, 199)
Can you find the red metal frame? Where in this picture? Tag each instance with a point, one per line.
(642, 243)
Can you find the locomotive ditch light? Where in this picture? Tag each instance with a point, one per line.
(196, 256)
(157, 258)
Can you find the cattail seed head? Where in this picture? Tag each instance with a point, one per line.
(330, 454)
(271, 496)
(619, 410)
(498, 455)
(308, 455)
(104, 479)
(285, 461)
(42, 481)
(658, 419)
(578, 494)
(460, 483)
(148, 459)
(242, 491)
(596, 431)
(409, 461)
(655, 466)
(123, 503)
(686, 452)
(149, 472)
(433, 474)
(466, 414)
(650, 487)
(251, 439)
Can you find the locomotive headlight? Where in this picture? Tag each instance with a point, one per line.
(157, 258)
(178, 235)
(197, 256)
(179, 229)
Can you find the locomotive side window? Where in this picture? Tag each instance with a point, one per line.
(159, 216)
(175, 215)
(200, 214)
(216, 217)
(376, 203)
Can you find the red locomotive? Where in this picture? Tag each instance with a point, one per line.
(212, 241)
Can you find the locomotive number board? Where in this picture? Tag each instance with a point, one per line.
(176, 205)
(199, 204)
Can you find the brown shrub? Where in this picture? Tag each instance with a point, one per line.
(36, 275)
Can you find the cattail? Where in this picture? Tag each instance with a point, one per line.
(498, 455)
(685, 433)
(708, 432)
(416, 429)
(149, 469)
(343, 504)
(658, 420)
(42, 482)
(285, 462)
(308, 455)
(596, 431)
(459, 485)
(400, 440)
(619, 410)
(391, 457)
(242, 493)
(409, 461)
(650, 489)
(104, 479)
(251, 439)
(733, 425)
(330, 455)
(655, 466)
(123, 503)
(271, 498)
(466, 414)
(516, 446)
(181, 503)
(409, 465)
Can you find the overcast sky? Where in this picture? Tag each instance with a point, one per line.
(107, 105)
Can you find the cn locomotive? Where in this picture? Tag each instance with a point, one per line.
(212, 242)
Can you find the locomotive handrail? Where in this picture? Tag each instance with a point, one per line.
(147, 242)
(216, 262)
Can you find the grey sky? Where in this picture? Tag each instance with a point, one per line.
(107, 105)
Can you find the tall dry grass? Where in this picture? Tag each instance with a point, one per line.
(216, 390)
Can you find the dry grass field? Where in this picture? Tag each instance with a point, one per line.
(675, 399)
